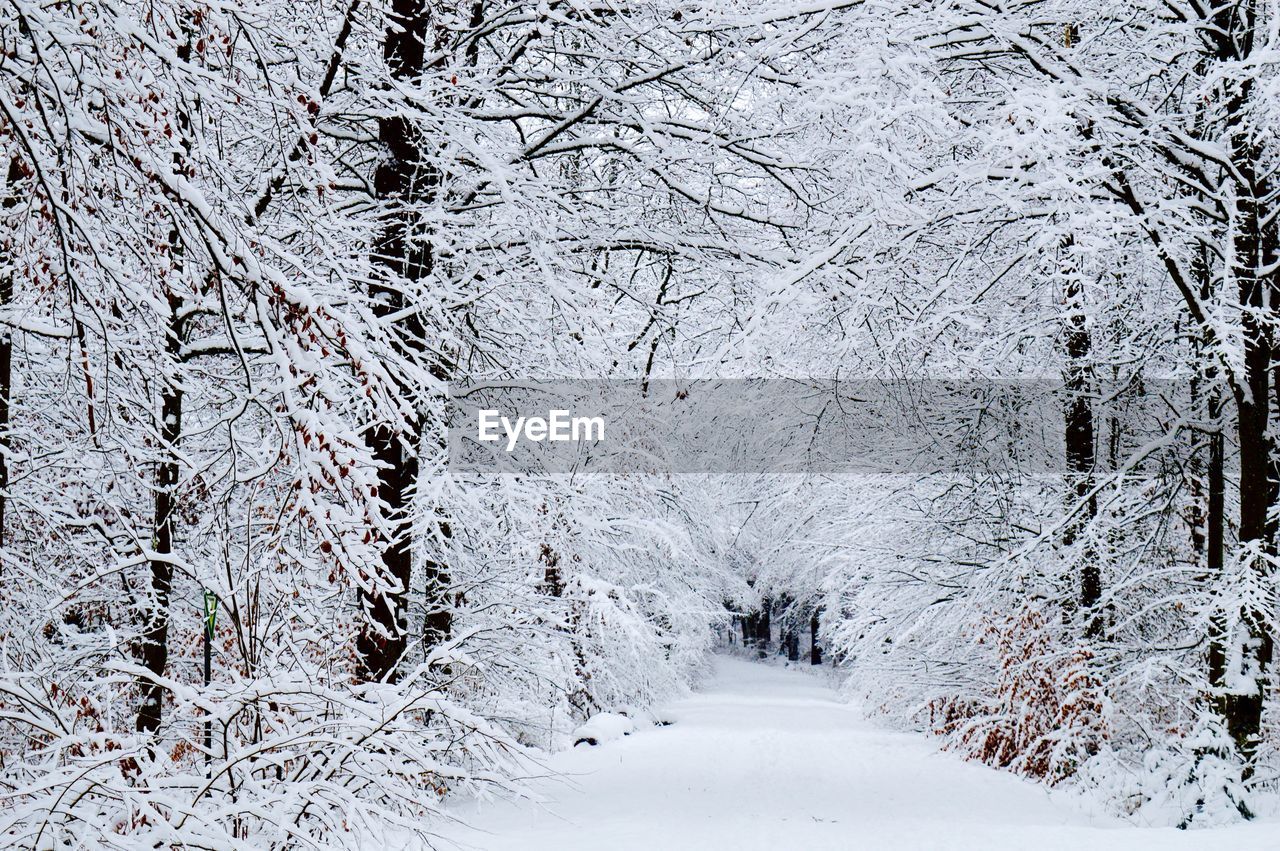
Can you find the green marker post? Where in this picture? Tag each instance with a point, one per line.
(210, 619)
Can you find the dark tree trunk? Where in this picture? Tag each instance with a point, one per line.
(383, 636)
(552, 581)
(1215, 543)
(1254, 241)
(815, 652)
(155, 634)
(792, 640)
(764, 632)
(6, 349)
(1209, 539)
(1242, 707)
(404, 182)
(154, 650)
(1079, 422)
(1209, 536)
(1080, 443)
(785, 609)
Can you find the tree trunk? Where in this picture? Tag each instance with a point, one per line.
(154, 651)
(764, 632)
(792, 641)
(1210, 538)
(155, 636)
(1244, 690)
(815, 652)
(1079, 424)
(1079, 428)
(383, 635)
(1215, 544)
(6, 349)
(404, 182)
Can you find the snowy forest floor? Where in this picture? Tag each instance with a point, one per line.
(765, 757)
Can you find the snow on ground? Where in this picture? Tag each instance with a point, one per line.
(771, 758)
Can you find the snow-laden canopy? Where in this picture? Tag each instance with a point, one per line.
(997, 284)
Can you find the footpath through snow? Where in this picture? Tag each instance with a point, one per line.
(771, 758)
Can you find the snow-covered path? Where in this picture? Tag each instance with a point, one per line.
(769, 758)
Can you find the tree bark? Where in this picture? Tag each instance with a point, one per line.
(405, 181)
(1209, 539)
(1079, 423)
(1080, 451)
(764, 632)
(154, 651)
(155, 636)
(792, 641)
(1215, 544)
(1245, 689)
(815, 651)
(6, 349)
(1254, 249)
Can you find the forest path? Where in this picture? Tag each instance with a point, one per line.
(765, 757)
